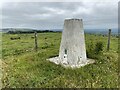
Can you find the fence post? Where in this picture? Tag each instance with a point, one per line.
(109, 34)
(35, 36)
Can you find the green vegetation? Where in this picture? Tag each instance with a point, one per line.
(24, 67)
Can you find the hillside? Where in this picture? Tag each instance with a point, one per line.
(24, 67)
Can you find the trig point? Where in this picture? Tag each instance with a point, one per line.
(72, 48)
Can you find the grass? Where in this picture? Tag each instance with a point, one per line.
(23, 67)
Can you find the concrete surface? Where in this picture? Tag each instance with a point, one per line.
(72, 48)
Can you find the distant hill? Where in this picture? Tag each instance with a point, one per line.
(91, 31)
(96, 31)
(101, 31)
(20, 30)
(15, 29)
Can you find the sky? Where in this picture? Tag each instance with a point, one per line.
(51, 15)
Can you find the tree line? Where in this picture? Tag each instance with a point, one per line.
(23, 32)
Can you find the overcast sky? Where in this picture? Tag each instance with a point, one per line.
(51, 15)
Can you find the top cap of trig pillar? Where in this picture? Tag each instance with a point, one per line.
(73, 19)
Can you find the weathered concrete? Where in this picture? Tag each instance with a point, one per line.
(72, 49)
(56, 60)
(73, 42)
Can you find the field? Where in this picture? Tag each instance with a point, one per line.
(25, 67)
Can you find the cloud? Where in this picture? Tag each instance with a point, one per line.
(51, 15)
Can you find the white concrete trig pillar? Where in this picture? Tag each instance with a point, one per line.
(72, 49)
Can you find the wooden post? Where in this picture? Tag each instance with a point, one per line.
(108, 45)
(35, 35)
